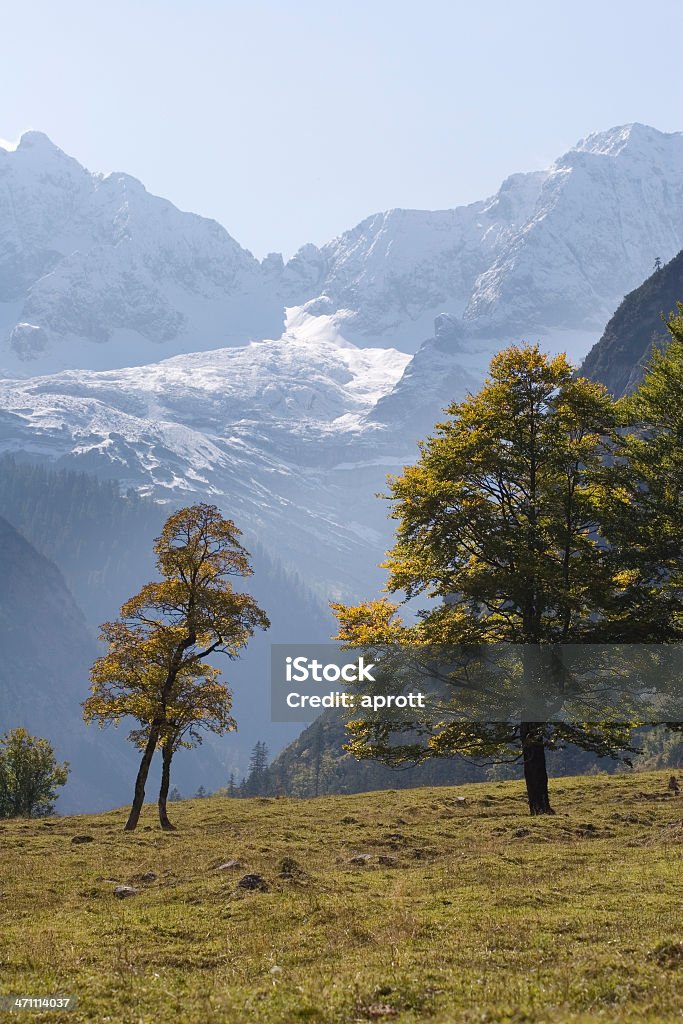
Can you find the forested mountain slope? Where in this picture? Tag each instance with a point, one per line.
(617, 359)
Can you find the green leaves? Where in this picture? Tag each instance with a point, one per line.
(643, 502)
(29, 775)
(502, 507)
(537, 514)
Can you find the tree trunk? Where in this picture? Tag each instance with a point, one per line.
(143, 772)
(535, 773)
(167, 755)
(154, 734)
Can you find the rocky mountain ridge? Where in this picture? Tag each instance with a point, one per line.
(97, 273)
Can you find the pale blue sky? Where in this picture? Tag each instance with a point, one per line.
(290, 121)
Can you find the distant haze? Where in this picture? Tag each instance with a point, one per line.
(290, 121)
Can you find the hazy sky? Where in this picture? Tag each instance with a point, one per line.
(290, 121)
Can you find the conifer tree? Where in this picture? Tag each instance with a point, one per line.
(258, 769)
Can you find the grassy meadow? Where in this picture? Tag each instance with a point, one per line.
(476, 912)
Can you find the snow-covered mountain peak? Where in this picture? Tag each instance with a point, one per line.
(604, 211)
(614, 140)
(36, 140)
(35, 154)
(97, 272)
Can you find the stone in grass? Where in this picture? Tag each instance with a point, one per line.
(361, 859)
(253, 883)
(388, 861)
(148, 876)
(76, 840)
(123, 892)
(230, 865)
(291, 870)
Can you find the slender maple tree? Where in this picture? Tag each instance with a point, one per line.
(154, 669)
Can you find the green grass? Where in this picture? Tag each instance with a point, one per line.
(489, 916)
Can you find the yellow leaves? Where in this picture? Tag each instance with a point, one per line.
(527, 366)
(154, 668)
(620, 495)
(625, 578)
(198, 545)
(374, 622)
(194, 700)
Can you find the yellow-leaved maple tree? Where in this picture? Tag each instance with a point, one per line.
(154, 669)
